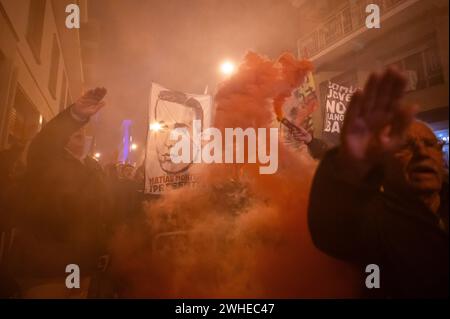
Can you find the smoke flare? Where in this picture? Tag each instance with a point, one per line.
(239, 234)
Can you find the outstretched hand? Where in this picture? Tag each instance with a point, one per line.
(89, 103)
(376, 119)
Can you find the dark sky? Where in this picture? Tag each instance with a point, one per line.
(179, 44)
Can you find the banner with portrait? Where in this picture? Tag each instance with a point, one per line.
(299, 108)
(169, 110)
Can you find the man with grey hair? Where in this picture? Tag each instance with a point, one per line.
(382, 196)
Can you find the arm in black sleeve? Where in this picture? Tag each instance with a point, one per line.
(53, 137)
(340, 217)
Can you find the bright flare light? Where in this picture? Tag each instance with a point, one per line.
(227, 67)
(134, 146)
(155, 127)
(97, 155)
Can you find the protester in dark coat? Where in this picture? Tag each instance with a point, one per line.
(125, 190)
(381, 197)
(10, 175)
(11, 170)
(65, 204)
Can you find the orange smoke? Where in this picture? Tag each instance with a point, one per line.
(293, 74)
(239, 234)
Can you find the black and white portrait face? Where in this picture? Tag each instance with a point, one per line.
(174, 111)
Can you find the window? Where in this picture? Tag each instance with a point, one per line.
(433, 67)
(333, 29)
(389, 4)
(422, 69)
(3, 73)
(414, 69)
(36, 27)
(62, 97)
(2, 61)
(347, 20)
(68, 99)
(54, 63)
(23, 119)
(4, 90)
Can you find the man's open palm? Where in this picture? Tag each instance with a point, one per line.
(376, 118)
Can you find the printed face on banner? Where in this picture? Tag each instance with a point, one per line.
(299, 107)
(174, 113)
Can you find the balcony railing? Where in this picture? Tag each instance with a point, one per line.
(340, 24)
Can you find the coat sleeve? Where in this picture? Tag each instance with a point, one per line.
(52, 139)
(341, 210)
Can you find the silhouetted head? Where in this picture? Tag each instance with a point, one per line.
(76, 143)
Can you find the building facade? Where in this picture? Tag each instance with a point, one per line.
(41, 65)
(413, 37)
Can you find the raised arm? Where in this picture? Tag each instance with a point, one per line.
(53, 137)
(342, 210)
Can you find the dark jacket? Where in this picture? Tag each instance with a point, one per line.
(357, 222)
(65, 202)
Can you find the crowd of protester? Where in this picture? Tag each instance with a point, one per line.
(386, 190)
(41, 217)
(61, 207)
